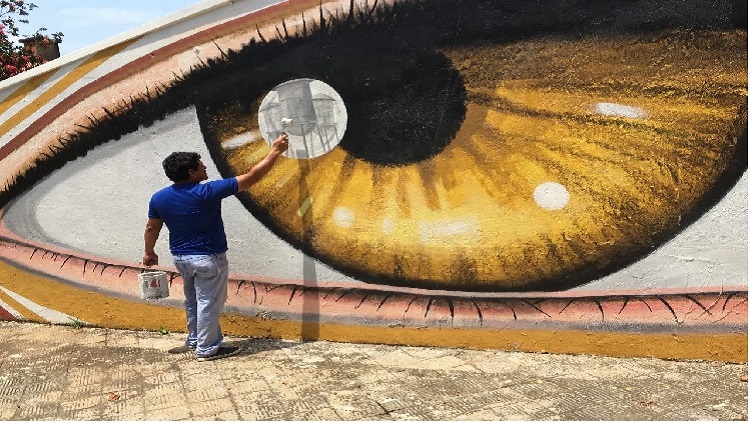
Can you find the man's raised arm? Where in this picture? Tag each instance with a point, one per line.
(258, 171)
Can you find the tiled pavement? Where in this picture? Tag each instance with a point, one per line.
(64, 373)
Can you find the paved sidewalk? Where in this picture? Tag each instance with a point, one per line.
(64, 373)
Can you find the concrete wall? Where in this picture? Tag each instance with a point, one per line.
(541, 177)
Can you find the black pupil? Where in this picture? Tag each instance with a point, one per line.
(397, 123)
(404, 101)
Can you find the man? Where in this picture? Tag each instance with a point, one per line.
(192, 213)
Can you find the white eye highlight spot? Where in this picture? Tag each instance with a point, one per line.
(343, 217)
(619, 110)
(388, 226)
(311, 112)
(551, 196)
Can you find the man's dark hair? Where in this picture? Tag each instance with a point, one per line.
(177, 165)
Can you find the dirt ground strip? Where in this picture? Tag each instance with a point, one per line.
(69, 373)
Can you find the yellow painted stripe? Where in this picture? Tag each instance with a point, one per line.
(24, 90)
(79, 72)
(727, 347)
(88, 305)
(25, 312)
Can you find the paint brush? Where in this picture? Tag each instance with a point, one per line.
(286, 123)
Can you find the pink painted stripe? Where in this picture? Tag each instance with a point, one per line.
(5, 314)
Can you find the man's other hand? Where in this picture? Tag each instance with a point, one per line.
(150, 260)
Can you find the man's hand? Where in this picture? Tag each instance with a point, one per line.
(150, 259)
(281, 144)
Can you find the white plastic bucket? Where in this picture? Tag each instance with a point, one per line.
(153, 285)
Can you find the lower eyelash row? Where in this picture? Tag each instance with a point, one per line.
(341, 304)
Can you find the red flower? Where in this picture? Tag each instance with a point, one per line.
(11, 69)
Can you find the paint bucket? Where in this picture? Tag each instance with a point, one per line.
(153, 285)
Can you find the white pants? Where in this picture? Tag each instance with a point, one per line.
(205, 284)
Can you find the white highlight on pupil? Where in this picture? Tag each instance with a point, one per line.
(619, 110)
(551, 196)
(343, 217)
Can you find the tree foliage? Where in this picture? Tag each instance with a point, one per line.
(16, 58)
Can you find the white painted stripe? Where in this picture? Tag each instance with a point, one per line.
(11, 310)
(49, 315)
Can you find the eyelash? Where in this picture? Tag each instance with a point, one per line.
(610, 307)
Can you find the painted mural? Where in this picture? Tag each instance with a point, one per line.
(538, 176)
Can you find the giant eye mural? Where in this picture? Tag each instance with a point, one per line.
(452, 177)
(446, 148)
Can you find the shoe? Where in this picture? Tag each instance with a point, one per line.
(222, 352)
(182, 349)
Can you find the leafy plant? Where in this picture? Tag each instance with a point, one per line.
(15, 58)
(75, 323)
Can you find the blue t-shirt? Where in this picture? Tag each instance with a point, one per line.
(192, 213)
